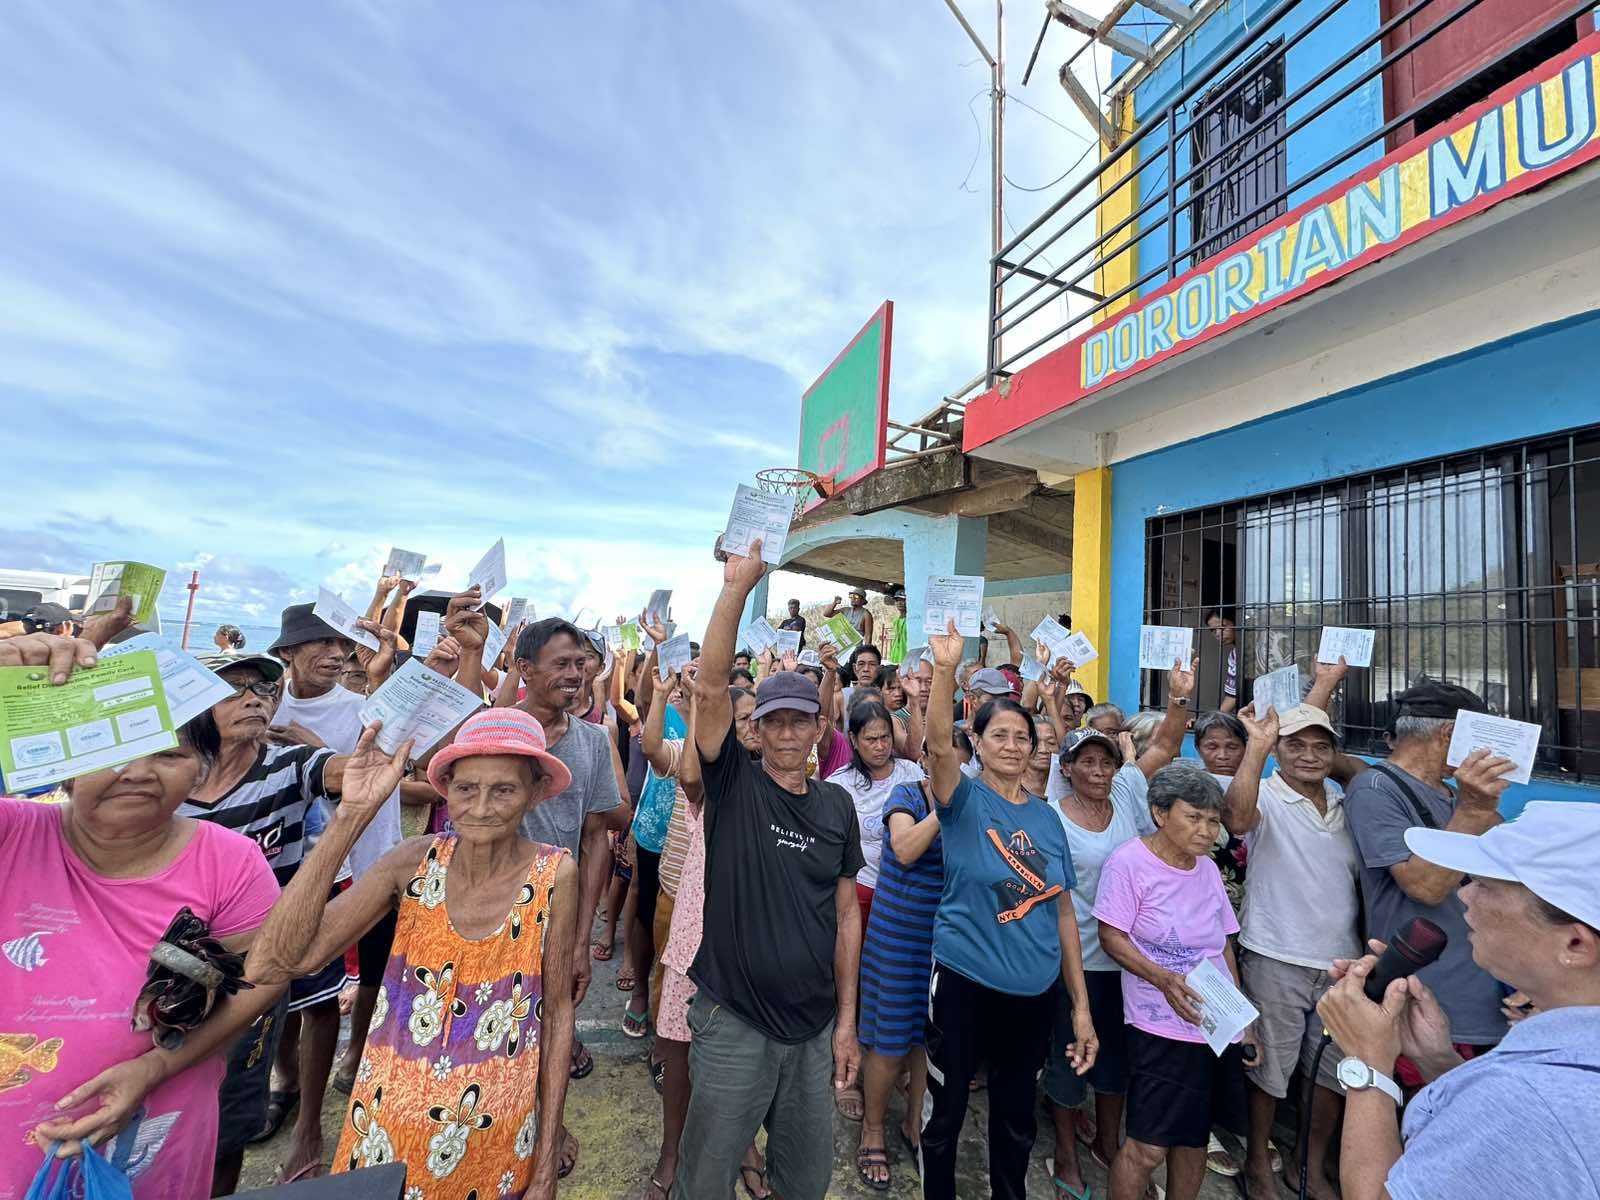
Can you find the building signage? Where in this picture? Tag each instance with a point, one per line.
(1535, 128)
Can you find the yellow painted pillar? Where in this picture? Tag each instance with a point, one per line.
(1120, 255)
(1091, 571)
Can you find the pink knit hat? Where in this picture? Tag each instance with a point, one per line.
(501, 731)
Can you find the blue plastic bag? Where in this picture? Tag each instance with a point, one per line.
(59, 1179)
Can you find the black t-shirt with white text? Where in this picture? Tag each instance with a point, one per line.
(773, 864)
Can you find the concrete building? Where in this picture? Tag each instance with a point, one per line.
(1333, 284)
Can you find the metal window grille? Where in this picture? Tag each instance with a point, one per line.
(1482, 569)
(1238, 133)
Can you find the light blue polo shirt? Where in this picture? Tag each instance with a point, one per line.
(1521, 1120)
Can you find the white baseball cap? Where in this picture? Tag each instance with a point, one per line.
(1552, 849)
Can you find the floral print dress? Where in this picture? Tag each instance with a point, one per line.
(449, 1080)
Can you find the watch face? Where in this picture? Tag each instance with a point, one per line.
(1354, 1073)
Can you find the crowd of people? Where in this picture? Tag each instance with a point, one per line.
(859, 889)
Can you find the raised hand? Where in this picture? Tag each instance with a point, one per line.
(947, 647)
(371, 776)
(1262, 731)
(1180, 683)
(656, 629)
(377, 662)
(744, 571)
(912, 683)
(465, 622)
(445, 657)
(99, 630)
(791, 661)
(829, 654)
(1481, 779)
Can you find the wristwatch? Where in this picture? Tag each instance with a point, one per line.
(1355, 1076)
(1181, 701)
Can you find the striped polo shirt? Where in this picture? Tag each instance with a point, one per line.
(271, 804)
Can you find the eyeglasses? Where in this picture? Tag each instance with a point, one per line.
(267, 691)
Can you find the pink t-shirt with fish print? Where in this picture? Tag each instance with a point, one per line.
(73, 951)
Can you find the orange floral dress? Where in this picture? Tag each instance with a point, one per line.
(449, 1081)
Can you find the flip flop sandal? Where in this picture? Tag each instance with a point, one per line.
(658, 1189)
(1219, 1161)
(582, 1063)
(601, 952)
(761, 1177)
(867, 1157)
(563, 1172)
(635, 1025)
(1063, 1189)
(625, 983)
(848, 1096)
(658, 1076)
(343, 1084)
(312, 1170)
(279, 1106)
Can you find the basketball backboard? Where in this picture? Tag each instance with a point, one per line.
(844, 415)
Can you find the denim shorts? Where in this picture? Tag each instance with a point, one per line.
(1110, 1071)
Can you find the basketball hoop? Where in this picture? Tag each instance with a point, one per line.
(797, 482)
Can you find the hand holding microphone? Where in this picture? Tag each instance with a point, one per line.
(1376, 1021)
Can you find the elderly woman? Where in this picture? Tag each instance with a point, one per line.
(1003, 935)
(91, 885)
(1162, 910)
(465, 1070)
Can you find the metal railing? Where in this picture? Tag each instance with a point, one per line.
(1020, 289)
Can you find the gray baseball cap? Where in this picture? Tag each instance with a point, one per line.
(787, 689)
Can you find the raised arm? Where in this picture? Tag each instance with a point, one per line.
(1168, 737)
(828, 693)
(654, 740)
(379, 663)
(1480, 782)
(470, 627)
(380, 596)
(395, 615)
(916, 722)
(739, 577)
(1013, 642)
(1324, 682)
(1239, 811)
(832, 608)
(944, 764)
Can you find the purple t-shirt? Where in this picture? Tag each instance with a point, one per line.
(1174, 918)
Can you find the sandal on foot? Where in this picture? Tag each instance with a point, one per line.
(1063, 1189)
(658, 1076)
(850, 1103)
(312, 1170)
(601, 952)
(873, 1156)
(761, 1178)
(658, 1190)
(635, 1025)
(582, 1062)
(563, 1171)
(1219, 1161)
(279, 1106)
(625, 981)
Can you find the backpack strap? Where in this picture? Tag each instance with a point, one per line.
(1419, 810)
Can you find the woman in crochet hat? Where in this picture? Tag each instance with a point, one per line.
(477, 996)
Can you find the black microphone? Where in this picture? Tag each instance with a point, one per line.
(1418, 944)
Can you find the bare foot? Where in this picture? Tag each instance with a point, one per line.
(1318, 1187)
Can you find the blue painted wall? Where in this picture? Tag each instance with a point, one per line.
(1330, 133)
(1525, 386)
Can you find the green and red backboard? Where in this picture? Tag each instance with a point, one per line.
(844, 415)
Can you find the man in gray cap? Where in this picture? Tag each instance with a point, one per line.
(774, 1019)
(1407, 792)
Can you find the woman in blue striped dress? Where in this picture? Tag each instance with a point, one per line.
(896, 961)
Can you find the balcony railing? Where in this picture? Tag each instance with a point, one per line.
(1213, 162)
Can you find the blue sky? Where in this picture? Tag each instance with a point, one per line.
(286, 284)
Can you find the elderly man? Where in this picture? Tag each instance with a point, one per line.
(1519, 1120)
(1406, 792)
(1301, 909)
(775, 1014)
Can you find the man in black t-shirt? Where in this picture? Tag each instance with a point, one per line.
(795, 622)
(775, 1015)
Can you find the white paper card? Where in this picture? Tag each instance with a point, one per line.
(1032, 668)
(332, 610)
(493, 644)
(1516, 740)
(673, 654)
(416, 702)
(1224, 1009)
(760, 637)
(407, 564)
(490, 573)
(426, 634)
(788, 641)
(914, 657)
(1054, 637)
(1353, 645)
(1279, 690)
(1162, 645)
(957, 598)
(991, 619)
(191, 686)
(1079, 649)
(518, 612)
(656, 610)
(755, 515)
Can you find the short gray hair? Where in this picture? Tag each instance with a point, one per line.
(1420, 728)
(1103, 710)
(1186, 781)
(1141, 727)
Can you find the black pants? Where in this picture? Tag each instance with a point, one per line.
(969, 1025)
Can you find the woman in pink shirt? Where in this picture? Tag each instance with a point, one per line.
(89, 888)
(1162, 910)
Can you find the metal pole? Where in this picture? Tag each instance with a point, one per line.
(998, 119)
(188, 617)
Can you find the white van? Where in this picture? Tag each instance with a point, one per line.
(21, 590)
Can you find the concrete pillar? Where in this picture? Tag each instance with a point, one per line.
(1091, 572)
(941, 546)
